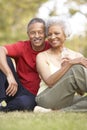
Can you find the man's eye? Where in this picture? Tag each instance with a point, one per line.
(40, 32)
(32, 33)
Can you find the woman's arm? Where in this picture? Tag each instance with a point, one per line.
(51, 79)
(44, 71)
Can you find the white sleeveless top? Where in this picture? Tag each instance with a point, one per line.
(52, 68)
(43, 85)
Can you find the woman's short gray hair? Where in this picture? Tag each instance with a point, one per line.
(62, 23)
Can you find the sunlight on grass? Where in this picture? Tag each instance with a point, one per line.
(43, 121)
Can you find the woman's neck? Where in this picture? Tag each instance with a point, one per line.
(57, 50)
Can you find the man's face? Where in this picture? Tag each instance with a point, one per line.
(36, 34)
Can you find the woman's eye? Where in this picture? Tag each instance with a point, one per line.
(57, 33)
(49, 34)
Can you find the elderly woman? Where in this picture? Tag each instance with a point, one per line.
(64, 71)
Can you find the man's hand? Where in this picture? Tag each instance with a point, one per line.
(13, 86)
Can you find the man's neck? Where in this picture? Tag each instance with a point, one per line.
(38, 48)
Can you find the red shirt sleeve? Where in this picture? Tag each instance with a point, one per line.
(14, 50)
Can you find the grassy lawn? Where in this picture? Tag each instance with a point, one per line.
(43, 121)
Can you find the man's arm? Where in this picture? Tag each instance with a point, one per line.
(12, 87)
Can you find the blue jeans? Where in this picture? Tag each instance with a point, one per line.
(23, 100)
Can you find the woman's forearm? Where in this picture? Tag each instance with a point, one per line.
(57, 75)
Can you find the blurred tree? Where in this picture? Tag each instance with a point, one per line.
(14, 15)
(78, 2)
(72, 10)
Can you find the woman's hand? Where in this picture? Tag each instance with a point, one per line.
(81, 60)
(65, 61)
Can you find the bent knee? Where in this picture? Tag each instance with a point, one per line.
(77, 66)
(26, 103)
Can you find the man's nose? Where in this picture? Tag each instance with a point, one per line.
(36, 34)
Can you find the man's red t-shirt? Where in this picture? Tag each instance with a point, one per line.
(25, 59)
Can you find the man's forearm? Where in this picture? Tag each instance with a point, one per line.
(3, 62)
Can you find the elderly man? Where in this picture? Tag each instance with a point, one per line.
(18, 90)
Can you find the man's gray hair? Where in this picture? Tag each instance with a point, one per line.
(63, 23)
(36, 20)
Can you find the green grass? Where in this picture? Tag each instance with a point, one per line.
(43, 121)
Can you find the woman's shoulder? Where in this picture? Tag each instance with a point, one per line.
(74, 53)
(41, 58)
(43, 54)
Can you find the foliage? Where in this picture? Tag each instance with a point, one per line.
(15, 15)
(78, 43)
(72, 11)
(78, 1)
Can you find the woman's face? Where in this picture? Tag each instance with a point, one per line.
(56, 35)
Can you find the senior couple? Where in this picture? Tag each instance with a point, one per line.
(62, 70)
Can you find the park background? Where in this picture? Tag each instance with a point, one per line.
(14, 16)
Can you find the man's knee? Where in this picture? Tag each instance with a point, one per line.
(26, 103)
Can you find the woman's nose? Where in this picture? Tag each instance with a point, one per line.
(53, 36)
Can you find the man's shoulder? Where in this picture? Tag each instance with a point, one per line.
(24, 43)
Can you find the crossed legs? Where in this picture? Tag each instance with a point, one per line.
(62, 94)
